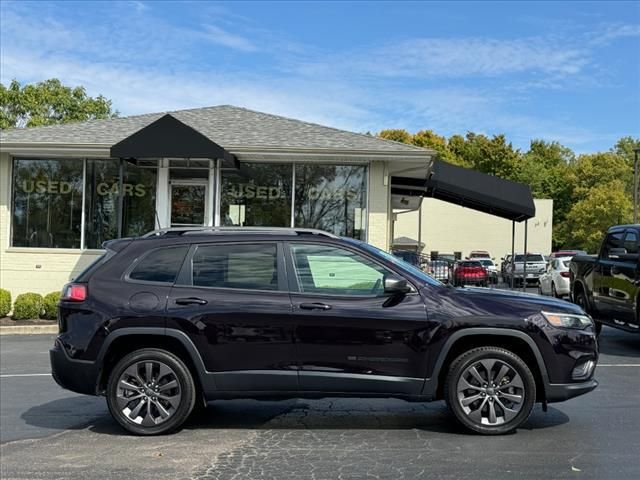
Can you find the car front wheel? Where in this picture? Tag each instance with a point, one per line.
(150, 392)
(490, 390)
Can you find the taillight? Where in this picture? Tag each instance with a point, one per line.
(74, 292)
(565, 274)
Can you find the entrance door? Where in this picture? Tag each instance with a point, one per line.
(189, 203)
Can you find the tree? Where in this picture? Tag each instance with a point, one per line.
(47, 103)
(429, 139)
(592, 170)
(603, 205)
(492, 155)
(395, 134)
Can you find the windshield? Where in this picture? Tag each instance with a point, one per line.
(400, 263)
(530, 258)
(486, 263)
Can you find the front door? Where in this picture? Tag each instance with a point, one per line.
(189, 203)
(232, 301)
(350, 336)
(619, 281)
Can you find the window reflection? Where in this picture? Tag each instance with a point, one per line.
(47, 203)
(258, 194)
(332, 198)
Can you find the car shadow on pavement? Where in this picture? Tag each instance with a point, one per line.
(295, 414)
(618, 343)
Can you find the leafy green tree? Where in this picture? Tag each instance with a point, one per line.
(596, 169)
(492, 155)
(395, 134)
(429, 139)
(603, 205)
(47, 103)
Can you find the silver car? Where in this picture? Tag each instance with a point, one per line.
(535, 266)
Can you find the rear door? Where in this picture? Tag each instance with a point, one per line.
(232, 301)
(350, 336)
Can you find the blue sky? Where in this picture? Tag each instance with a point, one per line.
(565, 71)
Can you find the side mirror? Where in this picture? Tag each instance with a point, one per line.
(395, 285)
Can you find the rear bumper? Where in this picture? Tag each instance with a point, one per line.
(559, 392)
(79, 376)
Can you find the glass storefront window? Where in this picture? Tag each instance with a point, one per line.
(332, 198)
(101, 207)
(47, 203)
(258, 194)
(139, 205)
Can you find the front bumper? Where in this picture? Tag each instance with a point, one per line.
(79, 376)
(559, 392)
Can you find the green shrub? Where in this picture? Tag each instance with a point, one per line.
(5, 302)
(50, 306)
(27, 306)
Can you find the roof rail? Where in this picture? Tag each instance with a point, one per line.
(179, 231)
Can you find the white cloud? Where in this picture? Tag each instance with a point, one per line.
(222, 37)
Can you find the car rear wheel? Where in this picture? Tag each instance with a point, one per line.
(490, 390)
(150, 392)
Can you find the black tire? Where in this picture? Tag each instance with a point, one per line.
(185, 388)
(516, 368)
(581, 300)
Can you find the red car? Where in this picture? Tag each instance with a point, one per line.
(470, 272)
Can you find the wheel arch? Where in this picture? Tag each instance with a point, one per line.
(126, 340)
(513, 340)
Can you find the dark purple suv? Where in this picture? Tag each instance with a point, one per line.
(164, 323)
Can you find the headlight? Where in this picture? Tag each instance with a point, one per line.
(568, 320)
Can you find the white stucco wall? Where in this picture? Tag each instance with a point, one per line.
(449, 228)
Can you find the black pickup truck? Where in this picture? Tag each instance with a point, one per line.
(607, 285)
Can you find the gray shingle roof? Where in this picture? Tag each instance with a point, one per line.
(226, 125)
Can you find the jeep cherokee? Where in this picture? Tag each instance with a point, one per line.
(166, 322)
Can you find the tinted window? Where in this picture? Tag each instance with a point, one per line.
(631, 242)
(249, 267)
(613, 240)
(336, 271)
(530, 258)
(160, 265)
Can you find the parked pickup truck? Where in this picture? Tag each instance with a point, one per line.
(607, 285)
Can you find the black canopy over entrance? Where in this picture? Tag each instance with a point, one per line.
(169, 137)
(471, 189)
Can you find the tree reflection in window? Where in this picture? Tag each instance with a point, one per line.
(332, 198)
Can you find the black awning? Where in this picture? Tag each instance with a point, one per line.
(169, 137)
(471, 189)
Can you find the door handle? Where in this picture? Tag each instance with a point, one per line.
(315, 306)
(190, 301)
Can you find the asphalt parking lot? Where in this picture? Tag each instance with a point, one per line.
(48, 433)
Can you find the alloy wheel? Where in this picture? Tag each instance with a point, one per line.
(490, 392)
(148, 393)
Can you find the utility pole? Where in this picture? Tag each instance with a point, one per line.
(635, 185)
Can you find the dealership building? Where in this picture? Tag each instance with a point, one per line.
(65, 189)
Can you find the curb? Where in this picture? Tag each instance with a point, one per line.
(29, 329)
